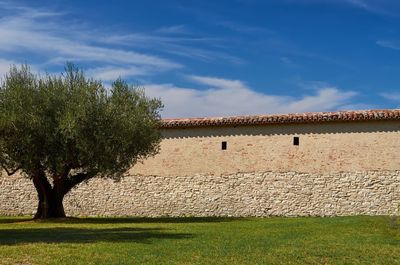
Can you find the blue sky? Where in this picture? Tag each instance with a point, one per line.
(218, 58)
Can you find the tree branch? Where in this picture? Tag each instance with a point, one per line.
(66, 170)
(10, 172)
(76, 179)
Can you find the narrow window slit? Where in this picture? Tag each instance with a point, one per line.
(224, 145)
(296, 140)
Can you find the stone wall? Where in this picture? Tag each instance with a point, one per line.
(337, 169)
(241, 194)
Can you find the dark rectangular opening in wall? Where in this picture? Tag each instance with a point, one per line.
(223, 146)
(296, 140)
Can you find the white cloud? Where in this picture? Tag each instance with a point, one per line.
(394, 96)
(225, 97)
(5, 66)
(45, 34)
(328, 98)
(218, 82)
(16, 36)
(110, 73)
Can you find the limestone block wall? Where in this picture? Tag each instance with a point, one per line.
(241, 194)
(17, 196)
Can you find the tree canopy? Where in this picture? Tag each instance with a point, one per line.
(60, 130)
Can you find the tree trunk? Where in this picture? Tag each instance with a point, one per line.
(50, 207)
(50, 198)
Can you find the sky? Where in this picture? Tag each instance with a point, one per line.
(218, 58)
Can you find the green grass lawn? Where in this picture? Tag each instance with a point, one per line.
(339, 240)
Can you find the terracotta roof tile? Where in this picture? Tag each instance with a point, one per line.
(308, 117)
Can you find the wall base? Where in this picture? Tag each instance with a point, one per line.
(242, 194)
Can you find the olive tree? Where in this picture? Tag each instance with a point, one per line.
(61, 130)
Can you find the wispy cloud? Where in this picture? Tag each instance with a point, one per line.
(380, 7)
(393, 96)
(28, 32)
(241, 28)
(206, 49)
(288, 62)
(233, 97)
(45, 37)
(44, 34)
(278, 45)
(179, 29)
(360, 3)
(395, 45)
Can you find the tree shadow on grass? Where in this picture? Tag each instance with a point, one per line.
(127, 220)
(86, 235)
(9, 220)
(118, 220)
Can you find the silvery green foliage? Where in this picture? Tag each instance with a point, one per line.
(69, 125)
